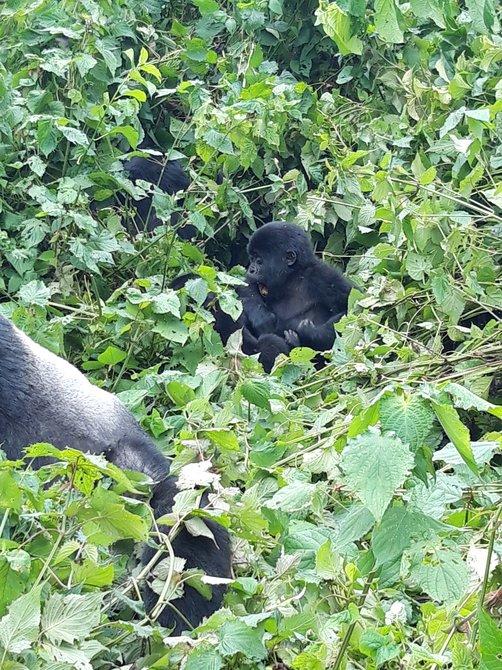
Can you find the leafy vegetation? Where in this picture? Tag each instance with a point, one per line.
(365, 498)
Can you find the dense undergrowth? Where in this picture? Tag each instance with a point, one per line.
(364, 500)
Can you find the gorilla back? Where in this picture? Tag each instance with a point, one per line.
(43, 398)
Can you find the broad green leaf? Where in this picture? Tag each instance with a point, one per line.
(257, 393)
(238, 638)
(440, 573)
(166, 302)
(293, 497)
(354, 525)
(374, 467)
(34, 293)
(482, 13)
(72, 617)
(429, 9)
(338, 25)
(379, 647)
(457, 432)
(74, 135)
(19, 628)
(408, 416)
(226, 440)
(490, 642)
(466, 399)
(328, 563)
(11, 585)
(397, 530)
(387, 21)
(11, 495)
(111, 356)
(204, 658)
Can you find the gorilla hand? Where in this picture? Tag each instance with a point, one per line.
(292, 339)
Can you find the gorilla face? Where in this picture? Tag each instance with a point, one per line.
(276, 252)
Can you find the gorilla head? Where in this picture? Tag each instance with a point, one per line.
(277, 251)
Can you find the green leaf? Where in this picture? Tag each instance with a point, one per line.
(482, 13)
(257, 393)
(11, 496)
(375, 467)
(429, 9)
(72, 617)
(11, 584)
(293, 497)
(440, 573)
(328, 562)
(457, 433)
(106, 520)
(226, 440)
(74, 135)
(387, 23)
(34, 293)
(111, 356)
(19, 628)
(204, 658)
(219, 141)
(236, 637)
(354, 526)
(466, 399)
(490, 642)
(338, 25)
(397, 530)
(130, 133)
(408, 416)
(47, 136)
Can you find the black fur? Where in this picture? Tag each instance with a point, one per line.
(293, 298)
(304, 296)
(45, 399)
(169, 177)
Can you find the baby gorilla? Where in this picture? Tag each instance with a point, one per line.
(292, 299)
(43, 398)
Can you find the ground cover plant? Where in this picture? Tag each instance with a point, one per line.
(364, 499)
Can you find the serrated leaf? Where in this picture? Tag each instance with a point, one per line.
(72, 617)
(408, 416)
(442, 574)
(236, 637)
(398, 528)
(375, 467)
(19, 628)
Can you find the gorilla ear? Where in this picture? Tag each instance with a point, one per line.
(290, 257)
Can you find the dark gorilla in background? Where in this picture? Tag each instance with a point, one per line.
(293, 299)
(170, 177)
(43, 398)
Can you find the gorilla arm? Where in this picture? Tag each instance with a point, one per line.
(329, 291)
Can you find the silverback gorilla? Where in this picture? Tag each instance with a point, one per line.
(292, 299)
(43, 398)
